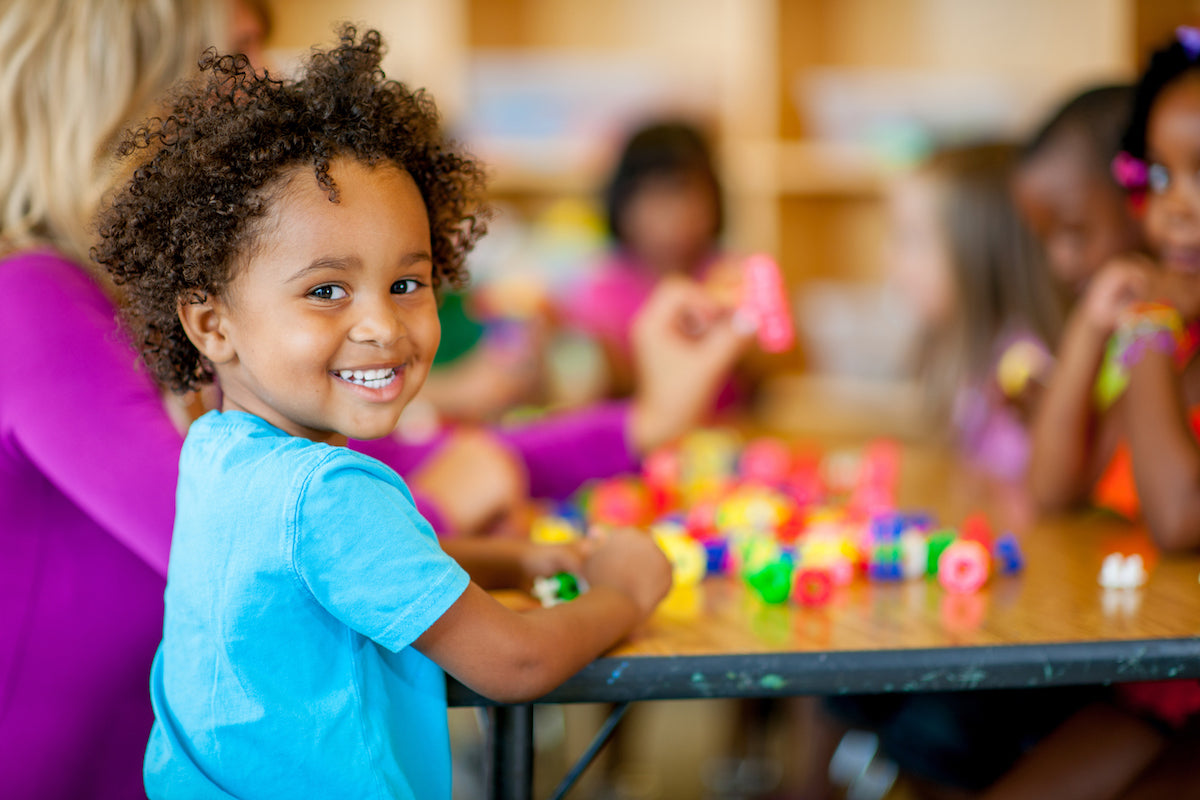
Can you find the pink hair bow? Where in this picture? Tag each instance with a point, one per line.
(1130, 172)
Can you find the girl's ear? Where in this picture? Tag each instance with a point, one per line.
(205, 321)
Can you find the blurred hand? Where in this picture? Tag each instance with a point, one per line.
(629, 562)
(1123, 281)
(685, 343)
(477, 483)
(542, 560)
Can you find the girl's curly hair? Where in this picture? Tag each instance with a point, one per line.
(188, 216)
(1167, 64)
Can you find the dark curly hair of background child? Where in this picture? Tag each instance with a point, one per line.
(219, 155)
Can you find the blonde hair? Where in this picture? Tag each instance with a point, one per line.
(1002, 284)
(73, 75)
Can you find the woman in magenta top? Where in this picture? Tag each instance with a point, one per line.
(88, 453)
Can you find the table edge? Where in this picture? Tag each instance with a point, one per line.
(676, 677)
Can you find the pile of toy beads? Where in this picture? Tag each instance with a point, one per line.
(791, 523)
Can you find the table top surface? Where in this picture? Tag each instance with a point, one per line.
(1050, 624)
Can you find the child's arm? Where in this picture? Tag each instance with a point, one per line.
(498, 563)
(515, 656)
(1067, 456)
(1166, 459)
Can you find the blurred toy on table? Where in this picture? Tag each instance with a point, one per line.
(793, 522)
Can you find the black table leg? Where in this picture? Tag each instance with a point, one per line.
(510, 742)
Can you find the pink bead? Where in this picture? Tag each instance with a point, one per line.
(765, 461)
(764, 300)
(963, 567)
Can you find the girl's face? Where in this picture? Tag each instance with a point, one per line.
(1080, 218)
(669, 221)
(328, 330)
(918, 255)
(1172, 218)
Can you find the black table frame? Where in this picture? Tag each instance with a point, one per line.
(638, 678)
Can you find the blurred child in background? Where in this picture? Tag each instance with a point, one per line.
(665, 213)
(1089, 413)
(968, 265)
(1127, 371)
(1066, 191)
(973, 272)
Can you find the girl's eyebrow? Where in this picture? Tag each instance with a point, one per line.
(325, 262)
(344, 263)
(416, 258)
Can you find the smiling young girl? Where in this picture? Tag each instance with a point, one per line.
(285, 238)
(1144, 744)
(1093, 437)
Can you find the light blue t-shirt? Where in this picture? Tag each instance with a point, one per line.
(300, 575)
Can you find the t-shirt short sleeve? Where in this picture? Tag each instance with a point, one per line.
(365, 553)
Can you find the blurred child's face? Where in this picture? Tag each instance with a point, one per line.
(918, 255)
(1173, 155)
(670, 220)
(1080, 217)
(331, 324)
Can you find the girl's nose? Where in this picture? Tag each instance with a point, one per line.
(1183, 201)
(379, 322)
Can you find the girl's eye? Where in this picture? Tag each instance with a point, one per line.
(406, 286)
(1158, 179)
(328, 292)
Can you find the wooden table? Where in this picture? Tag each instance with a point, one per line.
(1050, 625)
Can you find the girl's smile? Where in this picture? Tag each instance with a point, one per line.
(1173, 153)
(328, 328)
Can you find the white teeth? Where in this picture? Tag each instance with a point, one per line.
(371, 378)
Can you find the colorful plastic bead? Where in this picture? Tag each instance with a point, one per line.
(689, 561)
(813, 586)
(766, 461)
(558, 588)
(553, 530)
(772, 582)
(938, 542)
(620, 501)
(914, 554)
(1122, 572)
(764, 300)
(976, 528)
(963, 567)
(1008, 554)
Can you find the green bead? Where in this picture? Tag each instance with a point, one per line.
(773, 582)
(938, 541)
(568, 586)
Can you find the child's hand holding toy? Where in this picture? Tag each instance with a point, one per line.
(685, 343)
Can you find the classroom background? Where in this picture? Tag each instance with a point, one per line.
(812, 106)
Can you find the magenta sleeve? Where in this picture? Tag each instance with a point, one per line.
(566, 450)
(560, 453)
(78, 405)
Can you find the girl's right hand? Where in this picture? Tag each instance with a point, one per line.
(1123, 281)
(685, 344)
(629, 561)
